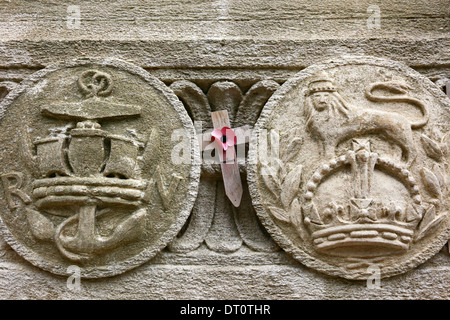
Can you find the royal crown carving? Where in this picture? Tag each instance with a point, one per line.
(344, 173)
(366, 223)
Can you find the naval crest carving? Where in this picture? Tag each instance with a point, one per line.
(87, 175)
(349, 167)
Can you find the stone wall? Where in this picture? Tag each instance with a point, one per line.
(233, 55)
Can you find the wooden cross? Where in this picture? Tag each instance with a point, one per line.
(228, 160)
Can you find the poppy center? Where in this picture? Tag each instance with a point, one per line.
(223, 139)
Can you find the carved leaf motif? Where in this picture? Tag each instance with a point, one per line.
(253, 101)
(428, 223)
(432, 148)
(295, 212)
(274, 144)
(223, 235)
(428, 217)
(291, 185)
(281, 170)
(280, 214)
(225, 95)
(445, 144)
(41, 227)
(250, 229)
(291, 150)
(271, 180)
(440, 176)
(431, 182)
(200, 220)
(194, 99)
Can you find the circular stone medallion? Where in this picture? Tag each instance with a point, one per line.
(99, 167)
(349, 166)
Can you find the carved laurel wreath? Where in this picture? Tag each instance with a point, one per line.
(435, 180)
(283, 178)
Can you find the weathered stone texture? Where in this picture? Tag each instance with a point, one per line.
(224, 253)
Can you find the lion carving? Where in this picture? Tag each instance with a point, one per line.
(332, 121)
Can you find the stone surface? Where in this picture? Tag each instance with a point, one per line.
(242, 275)
(89, 174)
(191, 45)
(355, 171)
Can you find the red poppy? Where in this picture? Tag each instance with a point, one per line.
(225, 137)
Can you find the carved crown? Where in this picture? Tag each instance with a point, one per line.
(362, 224)
(321, 83)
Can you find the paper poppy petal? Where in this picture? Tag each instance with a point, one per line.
(217, 134)
(225, 130)
(230, 140)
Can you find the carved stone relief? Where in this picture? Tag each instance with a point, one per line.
(349, 166)
(88, 173)
(214, 221)
(214, 224)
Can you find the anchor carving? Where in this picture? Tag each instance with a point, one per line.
(86, 173)
(86, 242)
